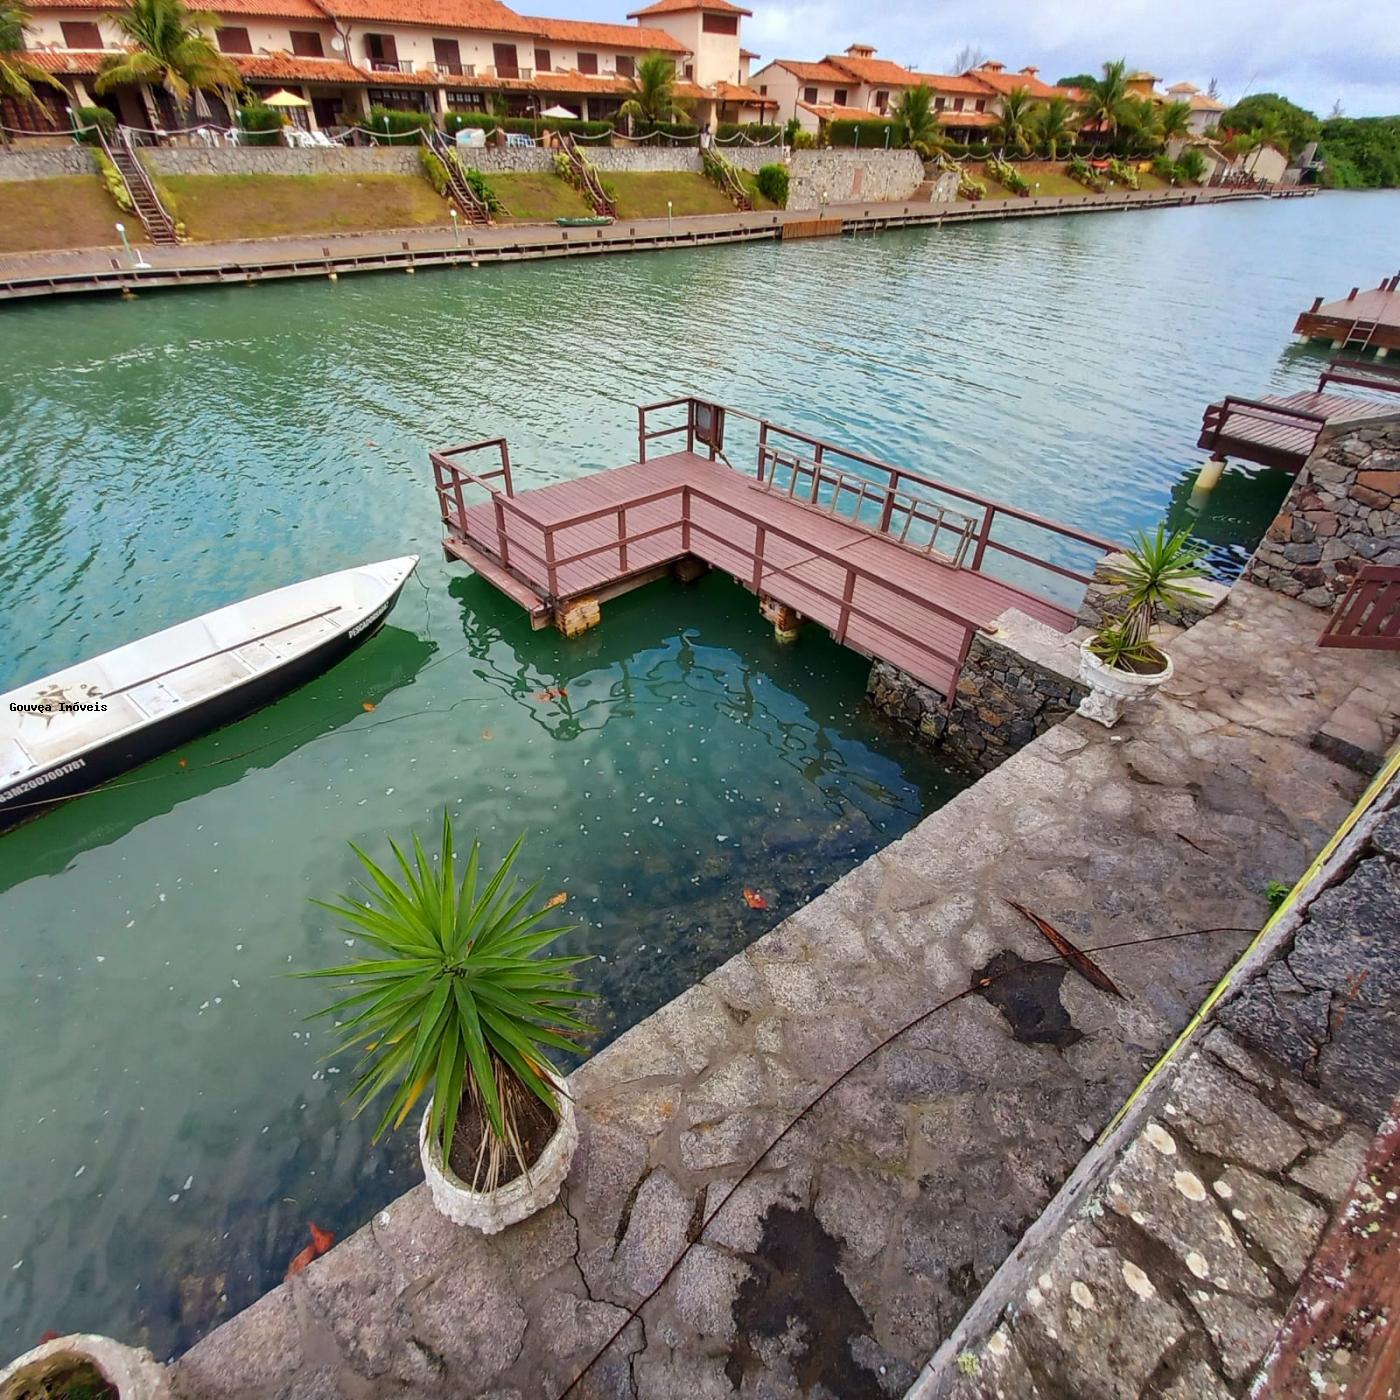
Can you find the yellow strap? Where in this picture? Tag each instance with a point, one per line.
(1378, 785)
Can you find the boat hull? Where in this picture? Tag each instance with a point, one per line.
(62, 781)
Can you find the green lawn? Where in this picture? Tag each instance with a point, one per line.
(537, 197)
(644, 195)
(216, 207)
(66, 211)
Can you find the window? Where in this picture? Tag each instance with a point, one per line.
(689, 71)
(235, 41)
(306, 43)
(381, 50)
(447, 56)
(720, 24)
(809, 95)
(78, 35)
(543, 61)
(507, 61)
(882, 101)
(981, 104)
(939, 103)
(397, 99)
(763, 89)
(626, 65)
(957, 104)
(466, 101)
(588, 63)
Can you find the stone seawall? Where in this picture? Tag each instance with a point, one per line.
(43, 165)
(280, 160)
(1342, 513)
(835, 177)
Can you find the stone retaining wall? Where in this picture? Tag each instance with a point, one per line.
(281, 160)
(1013, 687)
(41, 165)
(1342, 513)
(834, 177)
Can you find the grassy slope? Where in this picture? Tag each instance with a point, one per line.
(216, 207)
(644, 195)
(66, 211)
(538, 197)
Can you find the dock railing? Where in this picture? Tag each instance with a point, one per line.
(1216, 422)
(898, 499)
(1361, 374)
(452, 480)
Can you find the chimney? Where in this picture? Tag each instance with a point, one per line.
(991, 65)
(1030, 70)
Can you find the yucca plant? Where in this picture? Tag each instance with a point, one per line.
(1152, 578)
(457, 1002)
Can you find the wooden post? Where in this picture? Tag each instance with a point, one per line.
(551, 572)
(759, 539)
(505, 467)
(847, 593)
(983, 535)
(641, 434)
(622, 538)
(500, 530)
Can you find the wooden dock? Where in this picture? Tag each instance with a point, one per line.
(1281, 430)
(1360, 321)
(894, 564)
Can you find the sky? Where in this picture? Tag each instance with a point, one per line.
(1316, 52)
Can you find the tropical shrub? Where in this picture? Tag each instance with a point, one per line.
(435, 170)
(803, 141)
(756, 132)
(1080, 169)
(773, 183)
(1164, 168)
(653, 92)
(865, 135)
(112, 178)
(970, 187)
(397, 127)
(262, 126)
(918, 121)
(1191, 166)
(1007, 176)
(1121, 173)
(1152, 579)
(454, 1000)
(481, 188)
(87, 118)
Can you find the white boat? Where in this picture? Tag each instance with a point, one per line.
(71, 731)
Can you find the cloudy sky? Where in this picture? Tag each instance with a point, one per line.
(1315, 51)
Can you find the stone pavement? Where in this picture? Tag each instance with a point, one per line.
(839, 1266)
(1172, 1277)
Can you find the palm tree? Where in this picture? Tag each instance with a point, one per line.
(1174, 120)
(169, 49)
(1138, 130)
(653, 91)
(1054, 126)
(17, 73)
(1017, 121)
(1106, 98)
(915, 114)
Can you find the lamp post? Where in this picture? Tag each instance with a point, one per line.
(456, 239)
(136, 259)
(668, 218)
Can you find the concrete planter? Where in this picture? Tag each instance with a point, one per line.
(1111, 689)
(136, 1374)
(491, 1211)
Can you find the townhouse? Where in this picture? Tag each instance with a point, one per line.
(438, 56)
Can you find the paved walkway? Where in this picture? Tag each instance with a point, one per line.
(854, 1249)
(1171, 1278)
(315, 256)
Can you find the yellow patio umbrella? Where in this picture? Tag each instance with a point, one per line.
(283, 98)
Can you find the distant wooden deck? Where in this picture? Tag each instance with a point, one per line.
(1360, 321)
(889, 561)
(1281, 430)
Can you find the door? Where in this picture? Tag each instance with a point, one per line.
(507, 64)
(382, 50)
(327, 110)
(447, 54)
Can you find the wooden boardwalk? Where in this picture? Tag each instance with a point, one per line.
(892, 563)
(1281, 430)
(1360, 321)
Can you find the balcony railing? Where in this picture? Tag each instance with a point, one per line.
(512, 71)
(391, 65)
(454, 70)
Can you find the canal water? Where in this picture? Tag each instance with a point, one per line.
(169, 1124)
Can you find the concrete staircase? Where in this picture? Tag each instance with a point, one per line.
(158, 222)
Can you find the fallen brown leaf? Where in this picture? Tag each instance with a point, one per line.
(1082, 963)
(755, 900)
(555, 900)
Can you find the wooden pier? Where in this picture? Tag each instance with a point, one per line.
(893, 563)
(1281, 430)
(1361, 321)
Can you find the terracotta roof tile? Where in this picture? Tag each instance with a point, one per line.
(1005, 82)
(746, 96)
(956, 84)
(951, 118)
(622, 36)
(488, 15)
(815, 72)
(285, 67)
(65, 61)
(1201, 103)
(682, 7)
(873, 70)
(830, 112)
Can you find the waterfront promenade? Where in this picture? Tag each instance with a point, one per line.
(87, 271)
(852, 1249)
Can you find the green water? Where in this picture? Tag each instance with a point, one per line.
(169, 1126)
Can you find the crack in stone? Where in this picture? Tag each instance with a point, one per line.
(624, 1219)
